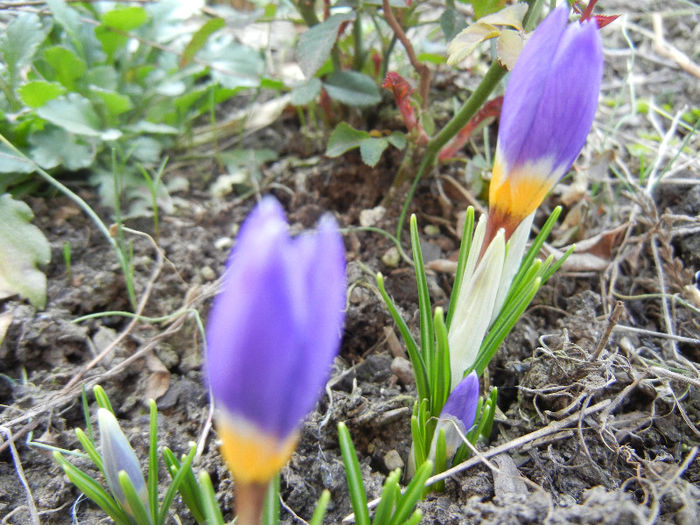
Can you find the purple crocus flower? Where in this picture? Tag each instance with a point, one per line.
(272, 335)
(548, 110)
(458, 415)
(117, 456)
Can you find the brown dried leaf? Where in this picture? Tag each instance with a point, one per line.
(595, 253)
(158, 381)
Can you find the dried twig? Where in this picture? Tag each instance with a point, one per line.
(612, 321)
(33, 513)
(662, 47)
(553, 428)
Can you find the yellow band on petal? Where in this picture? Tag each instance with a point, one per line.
(516, 194)
(251, 455)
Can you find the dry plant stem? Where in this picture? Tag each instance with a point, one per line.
(63, 397)
(422, 70)
(612, 321)
(665, 49)
(33, 512)
(552, 428)
(134, 321)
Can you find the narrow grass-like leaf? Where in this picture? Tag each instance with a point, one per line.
(550, 270)
(536, 245)
(440, 460)
(140, 513)
(408, 500)
(86, 415)
(419, 369)
(415, 518)
(487, 425)
(89, 447)
(464, 248)
(271, 503)
(441, 367)
(353, 475)
(175, 485)
(503, 326)
(102, 399)
(387, 501)
(424, 306)
(189, 488)
(321, 506)
(211, 506)
(418, 438)
(199, 38)
(153, 461)
(93, 490)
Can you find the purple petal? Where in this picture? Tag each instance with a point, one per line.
(463, 401)
(552, 94)
(276, 326)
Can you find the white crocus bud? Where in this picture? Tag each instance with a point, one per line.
(485, 285)
(117, 456)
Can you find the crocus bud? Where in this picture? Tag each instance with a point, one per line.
(117, 456)
(272, 335)
(458, 415)
(487, 277)
(548, 110)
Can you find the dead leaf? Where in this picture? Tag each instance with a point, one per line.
(5, 322)
(593, 254)
(486, 28)
(158, 381)
(442, 265)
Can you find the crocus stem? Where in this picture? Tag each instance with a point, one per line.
(249, 503)
(359, 58)
(468, 110)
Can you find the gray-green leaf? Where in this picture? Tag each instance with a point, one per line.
(344, 138)
(315, 45)
(23, 248)
(74, 113)
(21, 39)
(305, 93)
(371, 150)
(54, 147)
(352, 88)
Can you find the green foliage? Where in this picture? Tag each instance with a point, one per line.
(344, 138)
(97, 78)
(133, 509)
(394, 507)
(315, 45)
(486, 7)
(431, 357)
(23, 248)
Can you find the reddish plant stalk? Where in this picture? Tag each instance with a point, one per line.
(492, 109)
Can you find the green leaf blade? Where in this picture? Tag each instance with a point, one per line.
(344, 138)
(199, 39)
(352, 88)
(24, 248)
(316, 43)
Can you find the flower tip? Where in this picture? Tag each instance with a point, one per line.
(463, 401)
(118, 456)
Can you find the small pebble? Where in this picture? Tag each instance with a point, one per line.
(391, 257)
(372, 216)
(431, 229)
(207, 273)
(392, 461)
(402, 369)
(223, 243)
